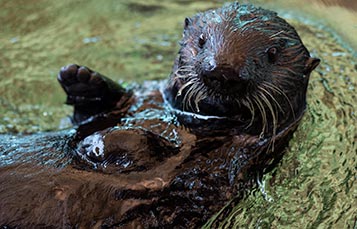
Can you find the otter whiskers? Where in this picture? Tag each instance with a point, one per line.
(249, 104)
(274, 116)
(265, 99)
(194, 87)
(279, 91)
(260, 106)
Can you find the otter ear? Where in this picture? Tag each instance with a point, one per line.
(311, 64)
(188, 21)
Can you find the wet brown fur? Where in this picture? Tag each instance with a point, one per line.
(239, 37)
(180, 181)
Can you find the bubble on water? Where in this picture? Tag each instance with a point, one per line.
(88, 40)
(14, 40)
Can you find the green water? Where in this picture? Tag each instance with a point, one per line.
(315, 184)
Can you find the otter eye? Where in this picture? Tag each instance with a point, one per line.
(201, 40)
(272, 54)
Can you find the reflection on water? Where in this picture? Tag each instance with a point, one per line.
(39, 148)
(315, 183)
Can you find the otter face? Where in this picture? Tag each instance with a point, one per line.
(240, 61)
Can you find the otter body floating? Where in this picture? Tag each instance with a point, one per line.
(173, 153)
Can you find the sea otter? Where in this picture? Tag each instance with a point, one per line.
(171, 153)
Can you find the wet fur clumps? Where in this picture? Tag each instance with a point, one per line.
(166, 154)
(244, 62)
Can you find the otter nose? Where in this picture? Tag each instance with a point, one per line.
(227, 79)
(209, 65)
(224, 73)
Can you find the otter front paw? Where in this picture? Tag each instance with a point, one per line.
(82, 85)
(89, 92)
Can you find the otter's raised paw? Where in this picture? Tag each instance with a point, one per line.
(82, 85)
(89, 92)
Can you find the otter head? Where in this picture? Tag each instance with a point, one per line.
(242, 62)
